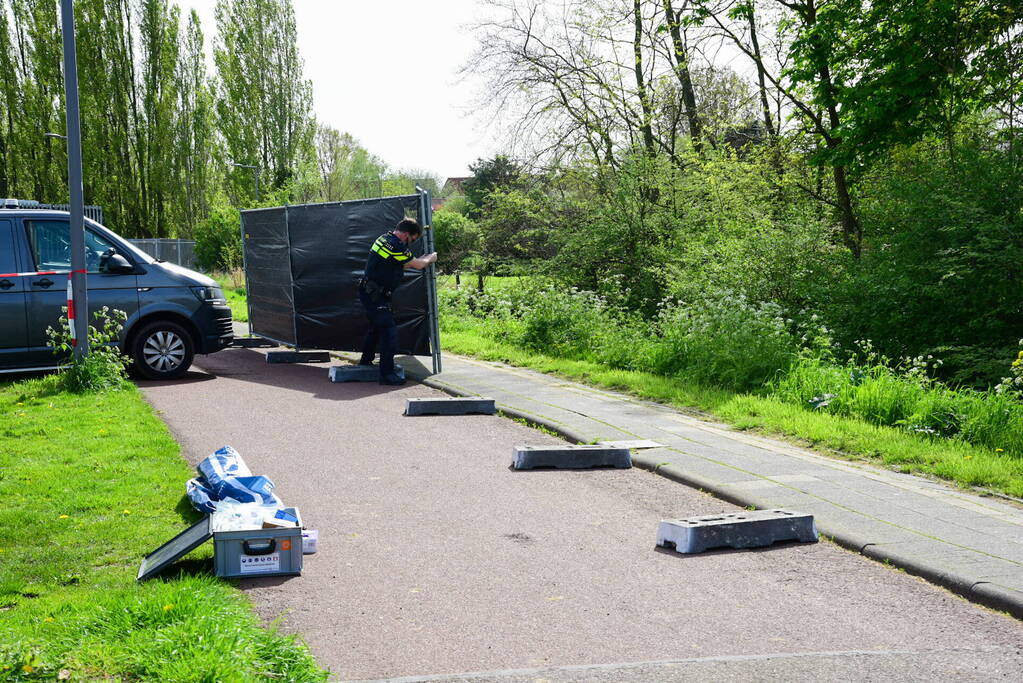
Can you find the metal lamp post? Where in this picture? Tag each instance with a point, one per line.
(256, 169)
(79, 299)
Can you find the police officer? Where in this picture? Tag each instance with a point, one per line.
(388, 257)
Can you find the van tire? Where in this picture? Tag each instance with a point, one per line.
(162, 350)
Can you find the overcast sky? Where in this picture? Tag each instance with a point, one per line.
(387, 74)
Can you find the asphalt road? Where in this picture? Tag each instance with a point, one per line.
(436, 559)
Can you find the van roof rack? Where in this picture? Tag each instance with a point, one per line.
(12, 203)
(91, 210)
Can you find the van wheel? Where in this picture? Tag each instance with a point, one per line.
(162, 350)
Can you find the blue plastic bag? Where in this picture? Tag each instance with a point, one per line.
(200, 495)
(248, 490)
(224, 463)
(225, 476)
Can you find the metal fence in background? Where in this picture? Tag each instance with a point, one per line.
(93, 212)
(181, 252)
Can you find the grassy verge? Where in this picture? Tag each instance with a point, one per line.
(846, 437)
(90, 485)
(233, 285)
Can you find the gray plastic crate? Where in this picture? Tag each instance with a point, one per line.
(259, 552)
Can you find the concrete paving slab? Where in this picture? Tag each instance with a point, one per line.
(633, 444)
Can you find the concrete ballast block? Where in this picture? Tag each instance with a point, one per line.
(252, 343)
(450, 406)
(360, 373)
(747, 529)
(571, 457)
(297, 356)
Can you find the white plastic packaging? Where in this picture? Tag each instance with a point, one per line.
(309, 539)
(231, 515)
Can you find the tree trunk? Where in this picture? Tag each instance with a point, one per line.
(852, 231)
(685, 80)
(768, 123)
(644, 102)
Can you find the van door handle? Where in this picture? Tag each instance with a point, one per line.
(6, 284)
(45, 282)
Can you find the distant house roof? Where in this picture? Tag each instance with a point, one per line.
(452, 185)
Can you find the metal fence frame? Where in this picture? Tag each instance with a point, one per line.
(422, 201)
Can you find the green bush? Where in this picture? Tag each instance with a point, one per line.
(455, 238)
(904, 395)
(942, 269)
(724, 340)
(218, 240)
(562, 323)
(104, 366)
(728, 341)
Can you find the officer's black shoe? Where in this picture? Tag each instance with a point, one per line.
(366, 363)
(392, 380)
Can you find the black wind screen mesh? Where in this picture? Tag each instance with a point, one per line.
(302, 270)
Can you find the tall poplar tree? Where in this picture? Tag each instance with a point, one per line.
(34, 165)
(263, 102)
(196, 144)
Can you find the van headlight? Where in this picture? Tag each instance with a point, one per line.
(210, 295)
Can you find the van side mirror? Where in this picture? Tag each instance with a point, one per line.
(114, 263)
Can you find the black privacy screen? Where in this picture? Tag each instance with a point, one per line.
(302, 271)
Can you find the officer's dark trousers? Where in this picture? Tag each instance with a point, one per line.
(382, 331)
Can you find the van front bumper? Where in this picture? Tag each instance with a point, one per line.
(214, 322)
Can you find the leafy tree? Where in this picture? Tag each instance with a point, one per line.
(346, 169)
(218, 242)
(455, 237)
(488, 175)
(33, 92)
(515, 228)
(944, 274)
(146, 133)
(906, 69)
(263, 102)
(197, 146)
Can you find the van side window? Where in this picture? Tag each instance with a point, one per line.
(50, 242)
(8, 264)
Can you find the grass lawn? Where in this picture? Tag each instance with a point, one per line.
(91, 484)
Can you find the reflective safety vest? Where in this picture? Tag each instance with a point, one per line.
(386, 261)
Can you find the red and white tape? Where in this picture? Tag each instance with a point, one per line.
(71, 310)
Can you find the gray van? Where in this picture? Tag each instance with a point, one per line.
(173, 313)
